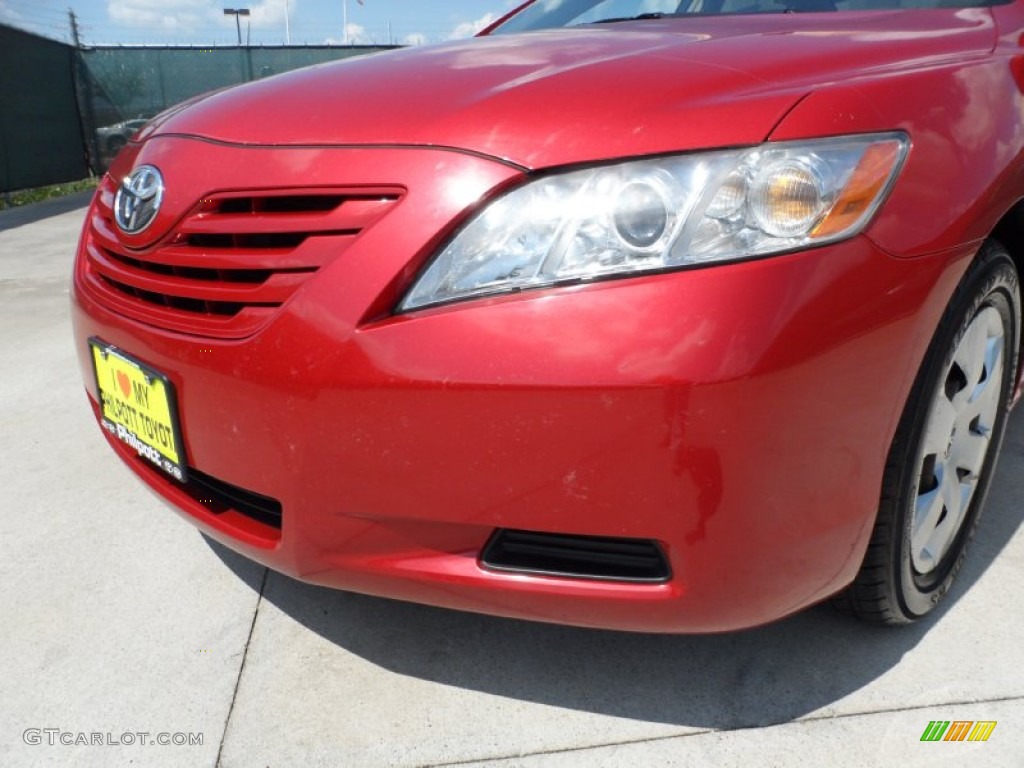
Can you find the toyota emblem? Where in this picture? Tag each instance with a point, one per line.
(138, 199)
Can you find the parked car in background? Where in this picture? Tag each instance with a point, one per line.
(673, 317)
(113, 137)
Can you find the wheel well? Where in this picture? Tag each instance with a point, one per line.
(1010, 232)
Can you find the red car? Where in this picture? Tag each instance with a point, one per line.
(655, 316)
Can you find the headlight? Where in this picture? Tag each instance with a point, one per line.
(665, 213)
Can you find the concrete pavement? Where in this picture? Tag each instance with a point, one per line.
(119, 618)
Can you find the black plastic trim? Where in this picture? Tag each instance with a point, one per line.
(220, 496)
(578, 557)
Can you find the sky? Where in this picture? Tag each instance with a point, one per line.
(202, 22)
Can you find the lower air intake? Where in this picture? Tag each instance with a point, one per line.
(576, 557)
(219, 497)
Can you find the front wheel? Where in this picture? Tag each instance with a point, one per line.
(944, 453)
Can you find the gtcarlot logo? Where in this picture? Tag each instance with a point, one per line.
(958, 730)
(54, 737)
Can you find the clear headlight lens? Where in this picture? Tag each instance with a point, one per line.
(665, 213)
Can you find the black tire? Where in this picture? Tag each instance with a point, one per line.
(900, 580)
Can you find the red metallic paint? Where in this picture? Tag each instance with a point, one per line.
(569, 96)
(739, 414)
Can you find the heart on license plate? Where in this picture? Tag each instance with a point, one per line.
(138, 407)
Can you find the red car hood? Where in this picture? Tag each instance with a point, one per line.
(571, 95)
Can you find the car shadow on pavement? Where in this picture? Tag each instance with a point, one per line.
(764, 676)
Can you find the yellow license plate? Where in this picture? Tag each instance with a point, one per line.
(138, 408)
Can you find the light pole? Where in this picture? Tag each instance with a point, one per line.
(236, 12)
(246, 60)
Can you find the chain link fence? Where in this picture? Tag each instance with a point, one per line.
(65, 112)
(127, 86)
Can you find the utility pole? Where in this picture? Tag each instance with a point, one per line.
(73, 20)
(83, 97)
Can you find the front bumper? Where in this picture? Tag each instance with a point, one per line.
(738, 415)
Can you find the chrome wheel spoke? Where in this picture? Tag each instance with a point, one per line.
(926, 517)
(970, 354)
(941, 423)
(983, 402)
(967, 453)
(956, 495)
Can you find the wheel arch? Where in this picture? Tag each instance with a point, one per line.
(1009, 231)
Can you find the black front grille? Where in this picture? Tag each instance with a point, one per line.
(578, 557)
(231, 261)
(219, 497)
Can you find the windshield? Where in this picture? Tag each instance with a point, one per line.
(545, 14)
